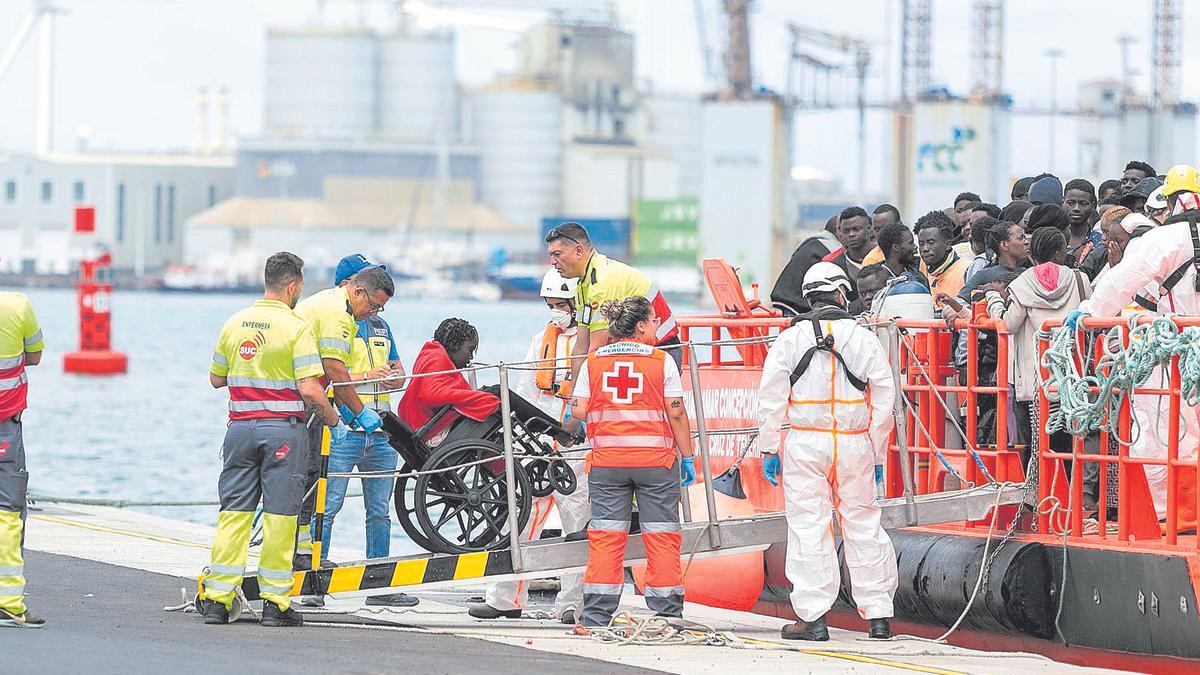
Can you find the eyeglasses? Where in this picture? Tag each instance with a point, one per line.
(374, 308)
(557, 233)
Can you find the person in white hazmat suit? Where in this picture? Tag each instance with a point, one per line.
(1166, 259)
(552, 347)
(830, 379)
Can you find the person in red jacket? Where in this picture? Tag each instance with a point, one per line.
(452, 348)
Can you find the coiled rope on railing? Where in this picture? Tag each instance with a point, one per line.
(1088, 402)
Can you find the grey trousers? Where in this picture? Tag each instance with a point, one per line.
(263, 459)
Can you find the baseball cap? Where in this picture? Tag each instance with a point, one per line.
(351, 265)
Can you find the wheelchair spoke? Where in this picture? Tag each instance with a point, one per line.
(448, 514)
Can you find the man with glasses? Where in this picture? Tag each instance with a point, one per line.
(333, 314)
(602, 279)
(373, 357)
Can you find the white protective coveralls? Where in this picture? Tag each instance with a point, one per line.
(1148, 260)
(837, 436)
(574, 509)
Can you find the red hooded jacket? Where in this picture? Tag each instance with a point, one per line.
(425, 395)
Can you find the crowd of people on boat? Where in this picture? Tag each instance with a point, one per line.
(1041, 256)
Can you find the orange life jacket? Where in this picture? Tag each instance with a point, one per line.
(627, 410)
(548, 364)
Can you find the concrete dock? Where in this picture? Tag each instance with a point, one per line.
(103, 576)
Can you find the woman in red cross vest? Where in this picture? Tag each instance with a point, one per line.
(631, 397)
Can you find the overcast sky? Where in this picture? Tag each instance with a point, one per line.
(130, 68)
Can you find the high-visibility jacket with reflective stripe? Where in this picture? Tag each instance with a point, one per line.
(19, 333)
(261, 352)
(605, 279)
(332, 321)
(627, 409)
(371, 348)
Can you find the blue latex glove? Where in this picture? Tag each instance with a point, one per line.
(347, 416)
(338, 434)
(368, 420)
(687, 470)
(879, 474)
(1073, 318)
(772, 468)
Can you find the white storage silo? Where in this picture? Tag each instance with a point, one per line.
(417, 92)
(519, 135)
(320, 82)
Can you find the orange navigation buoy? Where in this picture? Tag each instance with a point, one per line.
(95, 355)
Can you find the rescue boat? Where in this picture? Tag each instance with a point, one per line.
(1119, 593)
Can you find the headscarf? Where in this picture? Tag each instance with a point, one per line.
(1014, 210)
(1112, 214)
(1047, 215)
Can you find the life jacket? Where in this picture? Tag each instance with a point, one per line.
(627, 411)
(548, 365)
(824, 343)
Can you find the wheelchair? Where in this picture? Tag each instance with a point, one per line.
(459, 501)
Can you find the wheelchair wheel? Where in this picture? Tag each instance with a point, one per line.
(563, 477)
(541, 484)
(465, 509)
(405, 513)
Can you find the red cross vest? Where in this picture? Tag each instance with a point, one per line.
(627, 411)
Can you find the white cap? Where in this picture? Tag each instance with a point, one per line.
(826, 277)
(1156, 200)
(554, 285)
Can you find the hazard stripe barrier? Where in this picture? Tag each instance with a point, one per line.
(415, 571)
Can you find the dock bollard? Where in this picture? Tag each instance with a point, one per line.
(510, 474)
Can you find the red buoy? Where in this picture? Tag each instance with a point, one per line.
(95, 355)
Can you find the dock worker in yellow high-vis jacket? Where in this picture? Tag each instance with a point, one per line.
(267, 357)
(334, 314)
(20, 346)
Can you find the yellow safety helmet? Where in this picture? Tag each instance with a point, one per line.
(1181, 178)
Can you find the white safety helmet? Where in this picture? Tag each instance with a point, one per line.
(1156, 200)
(555, 285)
(826, 277)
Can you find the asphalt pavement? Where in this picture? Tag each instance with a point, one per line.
(107, 619)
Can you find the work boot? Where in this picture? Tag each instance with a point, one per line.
(214, 613)
(881, 629)
(280, 618)
(393, 600)
(815, 630)
(485, 611)
(567, 616)
(26, 620)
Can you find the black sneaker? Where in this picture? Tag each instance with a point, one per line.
(214, 612)
(393, 600)
(567, 616)
(312, 601)
(881, 629)
(278, 618)
(485, 611)
(26, 620)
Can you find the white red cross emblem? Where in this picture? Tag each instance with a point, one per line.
(623, 382)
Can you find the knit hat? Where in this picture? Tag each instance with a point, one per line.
(1048, 190)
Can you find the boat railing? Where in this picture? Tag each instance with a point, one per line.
(1116, 503)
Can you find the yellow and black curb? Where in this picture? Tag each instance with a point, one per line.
(416, 571)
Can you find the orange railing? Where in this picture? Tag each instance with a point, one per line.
(1060, 489)
(939, 441)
